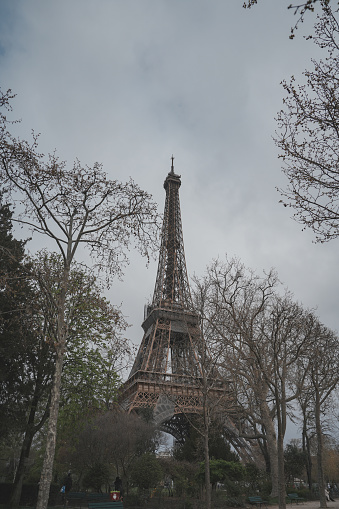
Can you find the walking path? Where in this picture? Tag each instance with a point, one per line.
(314, 504)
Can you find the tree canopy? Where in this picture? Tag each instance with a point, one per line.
(266, 336)
(72, 206)
(299, 9)
(307, 135)
(17, 328)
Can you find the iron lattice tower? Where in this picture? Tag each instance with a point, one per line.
(171, 327)
(166, 372)
(166, 367)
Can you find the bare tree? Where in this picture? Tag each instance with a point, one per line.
(214, 392)
(308, 136)
(231, 305)
(322, 377)
(299, 9)
(212, 398)
(263, 334)
(289, 334)
(304, 401)
(72, 208)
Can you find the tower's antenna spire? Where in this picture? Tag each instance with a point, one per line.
(172, 167)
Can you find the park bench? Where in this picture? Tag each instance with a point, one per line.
(76, 498)
(258, 501)
(98, 497)
(105, 505)
(294, 497)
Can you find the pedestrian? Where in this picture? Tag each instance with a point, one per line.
(328, 496)
(118, 485)
(66, 488)
(68, 482)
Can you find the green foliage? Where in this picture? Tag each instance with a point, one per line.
(304, 493)
(265, 489)
(256, 479)
(26, 359)
(146, 471)
(96, 350)
(183, 474)
(225, 472)
(219, 448)
(295, 459)
(96, 477)
(146, 413)
(188, 450)
(17, 334)
(192, 447)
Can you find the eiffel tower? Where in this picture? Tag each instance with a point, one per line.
(166, 372)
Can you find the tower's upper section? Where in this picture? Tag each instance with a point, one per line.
(172, 289)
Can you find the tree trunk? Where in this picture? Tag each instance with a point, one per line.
(271, 447)
(31, 430)
(307, 452)
(25, 450)
(20, 473)
(60, 347)
(281, 467)
(47, 469)
(207, 467)
(19, 477)
(321, 481)
(262, 443)
(280, 401)
(206, 426)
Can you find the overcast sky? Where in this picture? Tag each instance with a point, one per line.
(128, 83)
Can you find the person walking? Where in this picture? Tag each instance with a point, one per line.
(66, 488)
(118, 486)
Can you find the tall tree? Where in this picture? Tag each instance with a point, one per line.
(89, 380)
(217, 399)
(304, 401)
(322, 377)
(72, 207)
(233, 299)
(308, 135)
(263, 335)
